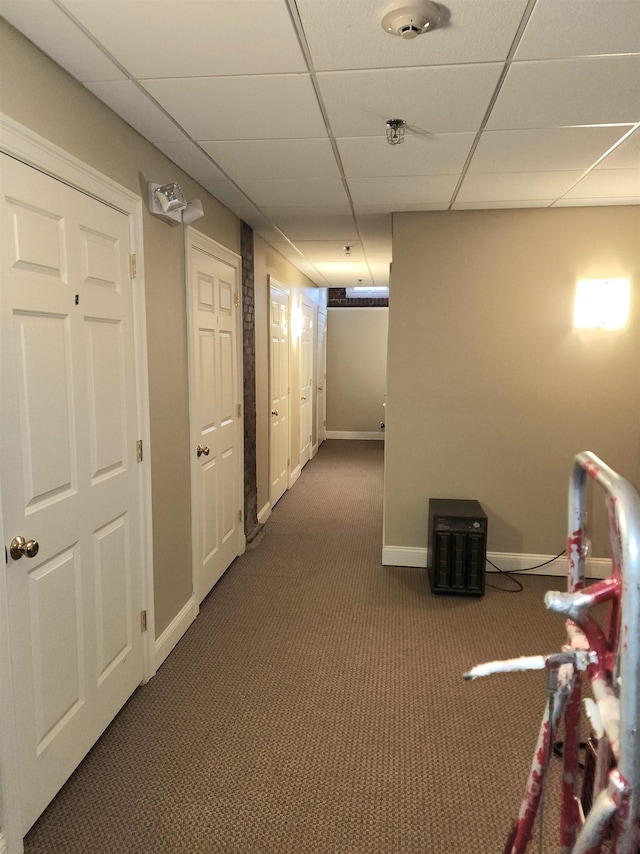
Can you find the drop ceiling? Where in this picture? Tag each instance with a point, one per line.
(279, 108)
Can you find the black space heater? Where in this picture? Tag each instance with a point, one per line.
(457, 546)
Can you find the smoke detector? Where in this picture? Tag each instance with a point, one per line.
(411, 20)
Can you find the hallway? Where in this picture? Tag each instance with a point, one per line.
(317, 703)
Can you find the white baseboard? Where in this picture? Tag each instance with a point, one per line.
(347, 434)
(507, 561)
(314, 450)
(175, 630)
(264, 514)
(295, 474)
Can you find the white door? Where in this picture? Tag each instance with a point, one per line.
(279, 393)
(306, 381)
(216, 411)
(322, 376)
(68, 472)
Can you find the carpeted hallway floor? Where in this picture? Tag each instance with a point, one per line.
(317, 703)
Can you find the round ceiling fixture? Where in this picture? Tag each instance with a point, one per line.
(411, 20)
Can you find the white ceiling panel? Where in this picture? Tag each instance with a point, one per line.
(516, 186)
(419, 154)
(478, 206)
(581, 28)
(309, 192)
(340, 227)
(607, 182)
(129, 101)
(598, 201)
(344, 35)
(325, 251)
(558, 93)
(279, 106)
(447, 99)
(230, 196)
(60, 38)
(418, 190)
(256, 160)
(160, 38)
(188, 156)
(544, 150)
(624, 156)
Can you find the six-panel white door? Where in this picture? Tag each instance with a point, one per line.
(306, 381)
(216, 423)
(279, 393)
(321, 395)
(68, 472)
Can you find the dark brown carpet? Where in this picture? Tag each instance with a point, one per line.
(317, 703)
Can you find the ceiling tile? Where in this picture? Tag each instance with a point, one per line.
(133, 105)
(189, 157)
(451, 99)
(581, 28)
(595, 202)
(419, 154)
(399, 208)
(516, 186)
(279, 106)
(254, 160)
(349, 35)
(544, 150)
(402, 191)
(607, 182)
(478, 206)
(326, 251)
(562, 92)
(60, 38)
(225, 192)
(339, 227)
(164, 38)
(309, 192)
(625, 156)
(374, 226)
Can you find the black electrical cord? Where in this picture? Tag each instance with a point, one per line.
(511, 574)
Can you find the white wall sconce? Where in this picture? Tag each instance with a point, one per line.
(167, 201)
(602, 304)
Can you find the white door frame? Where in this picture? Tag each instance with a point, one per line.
(23, 144)
(273, 282)
(196, 238)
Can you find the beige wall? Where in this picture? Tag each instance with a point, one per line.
(356, 369)
(269, 262)
(38, 94)
(491, 392)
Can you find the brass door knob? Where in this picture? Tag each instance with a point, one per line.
(203, 450)
(19, 546)
(274, 411)
(303, 398)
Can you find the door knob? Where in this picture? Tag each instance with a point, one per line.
(203, 450)
(303, 398)
(274, 411)
(19, 546)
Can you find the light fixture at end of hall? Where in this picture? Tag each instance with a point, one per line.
(395, 131)
(411, 20)
(602, 304)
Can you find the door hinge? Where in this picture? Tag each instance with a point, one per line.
(133, 266)
(239, 410)
(288, 464)
(237, 299)
(239, 515)
(143, 621)
(139, 450)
